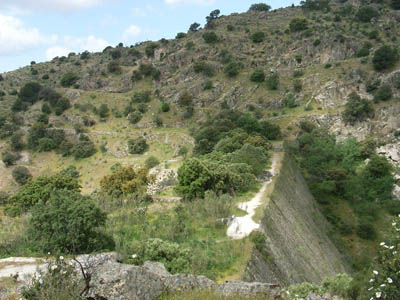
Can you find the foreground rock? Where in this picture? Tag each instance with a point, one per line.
(115, 281)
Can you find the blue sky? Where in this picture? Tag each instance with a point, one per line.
(42, 29)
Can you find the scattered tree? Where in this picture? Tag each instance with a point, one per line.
(260, 7)
(21, 175)
(385, 57)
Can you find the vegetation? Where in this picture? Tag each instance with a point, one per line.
(357, 109)
(365, 13)
(21, 175)
(151, 162)
(260, 7)
(69, 79)
(210, 37)
(298, 24)
(385, 57)
(137, 146)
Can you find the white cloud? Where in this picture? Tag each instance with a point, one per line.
(16, 38)
(90, 43)
(132, 33)
(198, 2)
(56, 51)
(49, 5)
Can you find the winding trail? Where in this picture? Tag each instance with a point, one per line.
(240, 227)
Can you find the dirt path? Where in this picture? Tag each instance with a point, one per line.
(25, 267)
(240, 227)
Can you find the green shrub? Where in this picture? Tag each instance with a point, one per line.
(208, 85)
(298, 24)
(83, 149)
(70, 171)
(298, 73)
(45, 77)
(125, 180)
(363, 52)
(150, 48)
(137, 146)
(30, 92)
(232, 69)
(290, 101)
(69, 79)
(165, 107)
(141, 97)
(183, 151)
(9, 158)
(115, 54)
(299, 58)
(180, 35)
(260, 7)
(366, 230)
(176, 259)
(384, 93)
(194, 27)
(16, 141)
(21, 175)
(365, 13)
(185, 99)
(385, 57)
(257, 76)
(258, 37)
(68, 223)
(135, 117)
(135, 53)
(210, 37)
(103, 111)
(203, 67)
(395, 4)
(151, 162)
(273, 81)
(46, 144)
(317, 42)
(114, 67)
(46, 108)
(225, 56)
(297, 86)
(357, 109)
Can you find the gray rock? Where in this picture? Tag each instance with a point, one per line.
(247, 289)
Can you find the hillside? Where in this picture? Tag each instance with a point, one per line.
(203, 113)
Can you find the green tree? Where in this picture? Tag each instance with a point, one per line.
(151, 162)
(357, 109)
(150, 48)
(137, 146)
(194, 27)
(257, 76)
(21, 175)
(232, 69)
(165, 107)
(125, 180)
(16, 141)
(298, 24)
(210, 37)
(365, 13)
(30, 92)
(395, 4)
(104, 111)
(260, 7)
(68, 223)
(69, 79)
(258, 37)
(83, 149)
(9, 158)
(385, 57)
(273, 81)
(114, 67)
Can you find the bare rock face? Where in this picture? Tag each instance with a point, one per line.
(115, 281)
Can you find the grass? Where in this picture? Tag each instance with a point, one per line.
(205, 295)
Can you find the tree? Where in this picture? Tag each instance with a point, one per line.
(213, 16)
(298, 24)
(137, 146)
(68, 223)
(183, 151)
(21, 175)
(194, 27)
(210, 37)
(30, 92)
(150, 48)
(9, 158)
(384, 93)
(232, 69)
(357, 109)
(114, 67)
(273, 81)
(69, 79)
(165, 107)
(180, 35)
(260, 7)
(115, 54)
(385, 57)
(257, 76)
(125, 180)
(258, 37)
(16, 142)
(83, 149)
(316, 5)
(365, 13)
(103, 111)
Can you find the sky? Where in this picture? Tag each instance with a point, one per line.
(39, 30)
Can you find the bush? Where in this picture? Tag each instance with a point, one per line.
(9, 158)
(30, 92)
(114, 67)
(16, 142)
(384, 93)
(357, 109)
(395, 4)
(194, 27)
(257, 76)
(180, 35)
(175, 258)
(232, 69)
(385, 57)
(183, 151)
(273, 81)
(297, 86)
(137, 146)
(260, 7)
(210, 37)
(208, 85)
(69, 79)
(45, 144)
(115, 54)
(203, 67)
(165, 107)
(366, 230)
(185, 99)
(134, 117)
(151, 162)
(21, 175)
(68, 223)
(365, 13)
(258, 37)
(298, 24)
(150, 48)
(125, 180)
(83, 149)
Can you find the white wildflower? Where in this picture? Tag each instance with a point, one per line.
(41, 281)
(134, 256)
(61, 257)
(394, 224)
(394, 252)
(48, 253)
(375, 272)
(383, 243)
(378, 294)
(53, 267)
(391, 247)
(390, 280)
(371, 280)
(386, 246)
(370, 288)
(383, 285)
